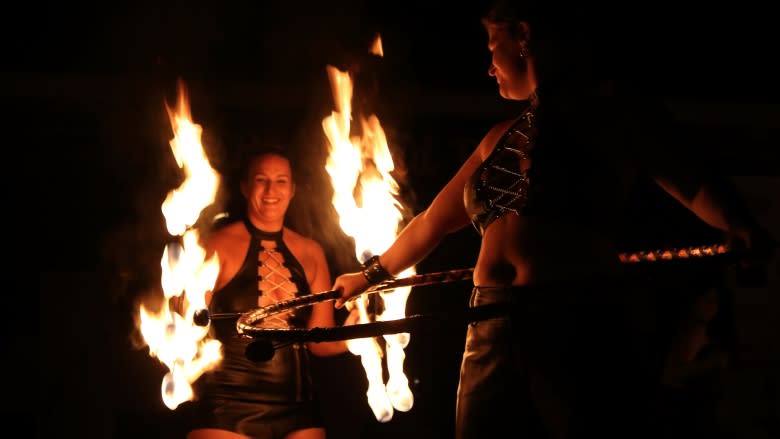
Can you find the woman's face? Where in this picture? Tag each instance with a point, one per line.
(509, 63)
(268, 188)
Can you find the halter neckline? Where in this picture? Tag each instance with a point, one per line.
(262, 234)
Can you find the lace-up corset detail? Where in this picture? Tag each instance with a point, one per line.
(500, 184)
(274, 280)
(270, 273)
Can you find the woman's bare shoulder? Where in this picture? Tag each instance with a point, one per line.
(493, 135)
(226, 235)
(303, 243)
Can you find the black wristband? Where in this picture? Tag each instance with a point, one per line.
(374, 272)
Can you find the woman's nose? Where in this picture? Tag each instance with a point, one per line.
(491, 70)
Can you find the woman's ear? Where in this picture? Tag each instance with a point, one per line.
(522, 35)
(523, 31)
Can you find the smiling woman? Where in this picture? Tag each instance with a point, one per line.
(97, 75)
(261, 262)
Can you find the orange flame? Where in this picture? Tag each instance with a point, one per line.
(171, 335)
(674, 253)
(366, 198)
(376, 47)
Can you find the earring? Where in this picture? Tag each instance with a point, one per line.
(523, 51)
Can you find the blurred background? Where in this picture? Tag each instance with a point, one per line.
(86, 87)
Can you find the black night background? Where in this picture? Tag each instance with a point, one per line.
(86, 87)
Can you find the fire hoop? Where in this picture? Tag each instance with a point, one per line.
(246, 322)
(376, 329)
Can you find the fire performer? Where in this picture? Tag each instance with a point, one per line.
(261, 261)
(573, 356)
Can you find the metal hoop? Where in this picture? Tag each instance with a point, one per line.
(375, 329)
(247, 321)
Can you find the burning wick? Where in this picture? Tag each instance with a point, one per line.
(257, 351)
(201, 317)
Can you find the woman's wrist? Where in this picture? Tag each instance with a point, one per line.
(374, 272)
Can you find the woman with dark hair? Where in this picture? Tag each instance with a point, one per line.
(571, 355)
(261, 262)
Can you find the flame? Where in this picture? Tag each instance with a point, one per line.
(675, 253)
(171, 335)
(365, 196)
(376, 47)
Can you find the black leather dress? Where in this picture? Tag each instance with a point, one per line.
(259, 399)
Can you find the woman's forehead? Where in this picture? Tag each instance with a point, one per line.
(497, 32)
(270, 163)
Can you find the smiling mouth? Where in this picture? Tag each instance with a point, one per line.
(270, 200)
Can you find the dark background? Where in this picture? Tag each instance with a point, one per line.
(85, 87)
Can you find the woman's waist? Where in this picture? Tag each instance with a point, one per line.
(520, 252)
(520, 267)
(275, 371)
(559, 297)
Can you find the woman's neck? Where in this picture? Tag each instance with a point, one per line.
(264, 225)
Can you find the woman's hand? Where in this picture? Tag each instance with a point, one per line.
(350, 285)
(753, 238)
(758, 247)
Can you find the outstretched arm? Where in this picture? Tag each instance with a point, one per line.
(446, 214)
(717, 202)
(415, 242)
(679, 169)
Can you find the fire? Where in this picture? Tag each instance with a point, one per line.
(675, 253)
(171, 334)
(376, 47)
(366, 199)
